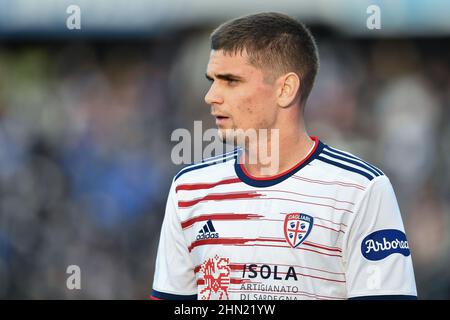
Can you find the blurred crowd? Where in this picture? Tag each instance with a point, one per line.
(85, 150)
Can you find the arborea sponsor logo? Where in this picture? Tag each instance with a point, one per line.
(382, 243)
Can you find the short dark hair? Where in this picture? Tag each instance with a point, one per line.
(272, 40)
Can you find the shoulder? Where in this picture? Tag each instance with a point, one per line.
(345, 165)
(207, 169)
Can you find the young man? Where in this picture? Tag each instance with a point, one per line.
(321, 224)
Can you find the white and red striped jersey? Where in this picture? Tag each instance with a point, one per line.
(328, 228)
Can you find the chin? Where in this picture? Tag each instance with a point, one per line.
(229, 136)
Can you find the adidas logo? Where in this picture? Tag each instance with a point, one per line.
(207, 232)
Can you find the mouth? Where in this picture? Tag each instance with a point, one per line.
(220, 119)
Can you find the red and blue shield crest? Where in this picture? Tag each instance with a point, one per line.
(297, 227)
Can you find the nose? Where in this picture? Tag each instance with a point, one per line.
(213, 96)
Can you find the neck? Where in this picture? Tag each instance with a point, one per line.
(280, 153)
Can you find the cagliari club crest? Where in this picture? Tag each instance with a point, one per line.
(297, 227)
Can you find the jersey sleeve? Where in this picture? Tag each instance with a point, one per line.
(376, 255)
(174, 277)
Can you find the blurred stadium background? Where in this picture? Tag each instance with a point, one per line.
(86, 117)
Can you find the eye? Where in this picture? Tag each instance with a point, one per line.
(210, 80)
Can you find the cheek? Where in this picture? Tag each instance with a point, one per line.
(258, 110)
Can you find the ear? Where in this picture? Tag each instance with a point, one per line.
(289, 85)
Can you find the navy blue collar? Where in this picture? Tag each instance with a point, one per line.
(270, 181)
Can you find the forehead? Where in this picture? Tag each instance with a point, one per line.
(238, 64)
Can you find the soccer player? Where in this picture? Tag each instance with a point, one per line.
(324, 224)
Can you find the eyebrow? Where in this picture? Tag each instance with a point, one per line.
(225, 76)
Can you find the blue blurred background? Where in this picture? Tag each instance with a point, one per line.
(86, 118)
